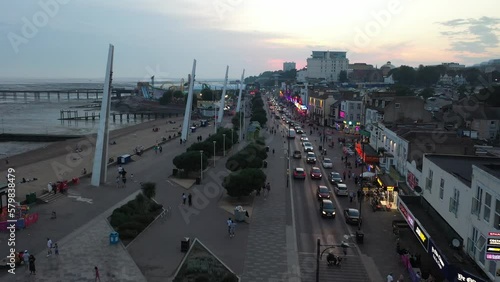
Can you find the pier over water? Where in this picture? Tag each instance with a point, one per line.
(57, 95)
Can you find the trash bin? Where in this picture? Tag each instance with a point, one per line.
(360, 237)
(175, 171)
(185, 244)
(239, 213)
(198, 181)
(114, 238)
(264, 164)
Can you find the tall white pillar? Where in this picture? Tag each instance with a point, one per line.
(100, 166)
(223, 98)
(187, 112)
(241, 91)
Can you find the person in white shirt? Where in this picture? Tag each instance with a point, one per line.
(49, 247)
(390, 278)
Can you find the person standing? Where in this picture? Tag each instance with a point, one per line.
(160, 148)
(26, 258)
(351, 196)
(390, 278)
(229, 223)
(344, 175)
(49, 247)
(190, 199)
(232, 229)
(56, 249)
(97, 277)
(183, 198)
(32, 265)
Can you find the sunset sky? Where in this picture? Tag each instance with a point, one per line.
(69, 38)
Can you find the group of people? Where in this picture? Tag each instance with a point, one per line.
(188, 197)
(265, 187)
(29, 261)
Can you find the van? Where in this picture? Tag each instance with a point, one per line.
(341, 189)
(291, 133)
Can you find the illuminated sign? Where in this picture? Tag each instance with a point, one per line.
(492, 256)
(493, 246)
(406, 214)
(494, 234)
(422, 235)
(437, 257)
(494, 241)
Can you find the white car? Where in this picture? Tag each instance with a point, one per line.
(308, 147)
(327, 163)
(304, 139)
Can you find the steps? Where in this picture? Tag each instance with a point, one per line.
(49, 197)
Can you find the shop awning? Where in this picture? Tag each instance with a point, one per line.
(369, 155)
(365, 133)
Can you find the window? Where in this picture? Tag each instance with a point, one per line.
(493, 267)
(476, 202)
(351, 106)
(397, 105)
(358, 117)
(428, 181)
(487, 207)
(359, 107)
(441, 189)
(453, 207)
(496, 220)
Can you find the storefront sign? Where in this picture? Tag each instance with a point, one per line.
(411, 180)
(493, 246)
(406, 214)
(422, 235)
(463, 276)
(438, 258)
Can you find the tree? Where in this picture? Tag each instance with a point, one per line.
(166, 98)
(261, 118)
(427, 92)
(236, 120)
(178, 94)
(404, 75)
(149, 189)
(205, 146)
(343, 76)
(491, 96)
(190, 161)
(402, 90)
(244, 182)
(207, 94)
(428, 75)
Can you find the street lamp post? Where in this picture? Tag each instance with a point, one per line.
(201, 164)
(224, 144)
(214, 152)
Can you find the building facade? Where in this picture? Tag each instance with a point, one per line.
(288, 66)
(351, 112)
(327, 65)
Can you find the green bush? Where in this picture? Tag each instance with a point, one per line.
(244, 182)
(153, 207)
(118, 218)
(134, 225)
(128, 234)
(190, 161)
(205, 146)
(143, 218)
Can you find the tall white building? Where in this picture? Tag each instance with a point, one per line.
(287, 66)
(327, 65)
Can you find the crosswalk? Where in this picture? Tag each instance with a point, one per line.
(351, 269)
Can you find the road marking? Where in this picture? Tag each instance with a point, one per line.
(81, 199)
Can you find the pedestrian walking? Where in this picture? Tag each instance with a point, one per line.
(190, 199)
(232, 229)
(229, 222)
(97, 277)
(349, 174)
(353, 174)
(390, 278)
(268, 187)
(344, 175)
(49, 247)
(160, 148)
(351, 196)
(32, 265)
(26, 258)
(56, 249)
(124, 180)
(156, 149)
(183, 198)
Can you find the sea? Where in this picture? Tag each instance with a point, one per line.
(42, 116)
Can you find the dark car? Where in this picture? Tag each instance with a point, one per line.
(323, 192)
(297, 154)
(335, 177)
(299, 173)
(316, 173)
(352, 216)
(311, 158)
(327, 209)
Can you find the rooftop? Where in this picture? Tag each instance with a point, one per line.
(493, 169)
(461, 166)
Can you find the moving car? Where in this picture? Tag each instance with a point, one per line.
(327, 163)
(299, 130)
(291, 133)
(311, 158)
(323, 192)
(341, 189)
(327, 209)
(297, 154)
(352, 216)
(299, 173)
(304, 139)
(316, 173)
(308, 147)
(335, 177)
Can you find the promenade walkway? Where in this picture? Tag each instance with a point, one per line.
(60, 161)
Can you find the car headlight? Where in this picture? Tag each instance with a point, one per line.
(333, 212)
(324, 212)
(319, 195)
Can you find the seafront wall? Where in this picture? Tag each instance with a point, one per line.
(61, 161)
(19, 137)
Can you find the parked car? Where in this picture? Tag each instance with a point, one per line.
(340, 189)
(327, 209)
(323, 192)
(311, 158)
(316, 173)
(327, 163)
(352, 216)
(299, 173)
(297, 154)
(335, 177)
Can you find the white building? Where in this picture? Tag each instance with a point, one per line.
(327, 65)
(287, 66)
(460, 206)
(301, 76)
(351, 111)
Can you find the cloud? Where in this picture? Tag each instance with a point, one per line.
(472, 35)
